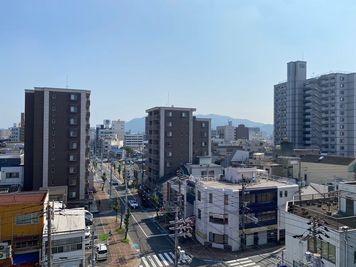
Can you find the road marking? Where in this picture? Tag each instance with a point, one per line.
(168, 258)
(145, 262)
(163, 260)
(139, 225)
(249, 264)
(171, 253)
(158, 261)
(158, 235)
(244, 262)
(151, 261)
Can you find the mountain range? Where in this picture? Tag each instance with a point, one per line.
(137, 125)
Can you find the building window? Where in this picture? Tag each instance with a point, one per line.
(73, 109)
(10, 175)
(285, 193)
(203, 124)
(168, 164)
(280, 193)
(210, 198)
(169, 134)
(73, 121)
(53, 121)
(199, 195)
(226, 199)
(184, 114)
(170, 124)
(169, 154)
(218, 239)
(341, 85)
(199, 214)
(73, 145)
(72, 133)
(218, 218)
(53, 95)
(325, 249)
(30, 218)
(203, 144)
(72, 170)
(73, 181)
(72, 158)
(73, 97)
(67, 245)
(72, 194)
(170, 114)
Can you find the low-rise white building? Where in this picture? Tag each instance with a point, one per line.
(322, 229)
(135, 141)
(68, 238)
(11, 172)
(230, 217)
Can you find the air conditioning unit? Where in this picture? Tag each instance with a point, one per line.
(3, 247)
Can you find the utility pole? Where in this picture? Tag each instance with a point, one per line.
(92, 246)
(126, 177)
(345, 230)
(110, 177)
(49, 235)
(242, 205)
(300, 180)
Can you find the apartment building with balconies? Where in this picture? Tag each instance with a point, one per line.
(175, 137)
(316, 112)
(57, 141)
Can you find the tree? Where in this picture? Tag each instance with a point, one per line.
(156, 203)
(127, 222)
(104, 178)
(116, 207)
(129, 151)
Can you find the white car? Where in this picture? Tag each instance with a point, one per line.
(101, 252)
(87, 236)
(133, 204)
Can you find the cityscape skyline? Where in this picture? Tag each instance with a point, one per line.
(178, 53)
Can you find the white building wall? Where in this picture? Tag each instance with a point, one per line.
(12, 181)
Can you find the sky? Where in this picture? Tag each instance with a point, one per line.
(219, 56)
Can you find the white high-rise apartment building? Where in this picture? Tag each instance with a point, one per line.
(119, 128)
(316, 112)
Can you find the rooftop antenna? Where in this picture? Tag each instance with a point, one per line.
(67, 81)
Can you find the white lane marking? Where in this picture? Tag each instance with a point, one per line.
(171, 253)
(158, 261)
(244, 262)
(163, 260)
(152, 261)
(145, 262)
(242, 259)
(168, 258)
(249, 264)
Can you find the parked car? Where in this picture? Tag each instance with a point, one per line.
(133, 204)
(87, 236)
(89, 218)
(101, 252)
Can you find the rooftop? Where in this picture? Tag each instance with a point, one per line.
(54, 89)
(327, 159)
(171, 108)
(68, 220)
(35, 197)
(325, 208)
(258, 184)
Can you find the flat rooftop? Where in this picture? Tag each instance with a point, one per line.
(258, 184)
(325, 208)
(36, 197)
(67, 220)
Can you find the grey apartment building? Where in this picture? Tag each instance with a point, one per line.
(57, 141)
(174, 137)
(316, 112)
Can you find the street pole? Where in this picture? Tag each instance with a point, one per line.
(110, 178)
(243, 235)
(92, 247)
(126, 177)
(49, 235)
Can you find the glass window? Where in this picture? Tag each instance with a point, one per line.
(30, 218)
(286, 193)
(199, 195)
(280, 193)
(210, 198)
(199, 214)
(73, 97)
(73, 109)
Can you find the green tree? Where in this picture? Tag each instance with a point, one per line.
(127, 222)
(116, 207)
(129, 151)
(104, 178)
(156, 203)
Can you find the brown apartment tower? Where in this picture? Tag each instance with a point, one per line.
(175, 137)
(57, 141)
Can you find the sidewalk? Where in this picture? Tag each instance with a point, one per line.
(122, 254)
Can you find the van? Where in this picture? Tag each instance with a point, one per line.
(101, 252)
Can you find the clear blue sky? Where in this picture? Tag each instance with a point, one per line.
(218, 56)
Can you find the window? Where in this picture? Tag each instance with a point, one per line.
(199, 214)
(73, 109)
(72, 133)
(66, 245)
(218, 239)
(226, 199)
(72, 194)
(341, 78)
(73, 182)
(341, 126)
(325, 249)
(203, 173)
(53, 95)
(73, 97)
(30, 218)
(73, 145)
(170, 114)
(286, 193)
(169, 134)
(72, 170)
(218, 218)
(168, 164)
(280, 193)
(341, 99)
(10, 175)
(341, 85)
(203, 144)
(199, 195)
(203, 124)
(170, 124)
(73, 121)
(184, 114)
(169, 154)
(53, 121)
(210, 198)
(72, 157)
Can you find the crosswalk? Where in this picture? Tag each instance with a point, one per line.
(163, 259)
(244, 262)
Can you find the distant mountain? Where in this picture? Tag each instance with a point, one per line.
(137, 125)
